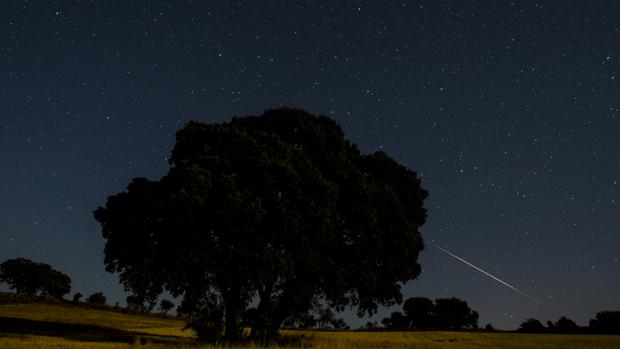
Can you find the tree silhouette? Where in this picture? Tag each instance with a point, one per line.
(165, 306)
(96, 298)
(472, 321)
(420, 312)
(396, 321)
(606, 322)
(531, 325)
(371, 325)
(339, 324)
(281, 207)
(28, 277)
(135, 303)
(76, 297)
(565, 324)
(325, 317)
(454, 313)
(299, 321)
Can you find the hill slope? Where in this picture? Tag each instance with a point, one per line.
(27, 316)
(38, 323)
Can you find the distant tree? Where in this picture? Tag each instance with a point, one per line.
(489, 327)
(281, 206)
(339, 324)
(371, 325)
(550, 324)
(473, 320)
(396, 321)
(325, 317)
(304, 320)
(454, 313)
(28, 277)
(96, 299)
(420, 312)
(56, 284)
(531, 325)
(606, 322)
(135, 303)
(22, 275)
(76, 297)
(566, 325)
(165, 306)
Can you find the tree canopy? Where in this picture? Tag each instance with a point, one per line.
(444, 313)
(454, 313)
(565, 324)
(606, 322)
(97, 298)
(29, 277)
(420, 312)
(531, 325)
(165, 305)
(280, 208)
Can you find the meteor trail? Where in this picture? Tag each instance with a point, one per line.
(485, 273)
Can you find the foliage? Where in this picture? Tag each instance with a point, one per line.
(531, 325)
(319, 318)
(77, 297)
(444, 313)
(453, 313)
(370, 325)
(26, 276)
(136, 303)
(339, 324)
(396, 321)
(304, 320)
(165, 305)
(325, 318)
(565, 324)
(96, 298)
(420, 312)
(606, 322)
(279, 207)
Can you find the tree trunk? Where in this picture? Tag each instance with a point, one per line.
(280, 313)
(263, 310)
(232, 320)
(232, 309)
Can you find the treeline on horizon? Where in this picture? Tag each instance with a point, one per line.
(604, 322)
(33, 280)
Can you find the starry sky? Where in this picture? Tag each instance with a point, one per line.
(509, 110)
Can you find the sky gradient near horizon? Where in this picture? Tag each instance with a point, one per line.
(508, 110)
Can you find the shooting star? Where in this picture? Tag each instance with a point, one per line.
(486, 273)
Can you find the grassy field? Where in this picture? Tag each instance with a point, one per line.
(54, 326)
(95, 317)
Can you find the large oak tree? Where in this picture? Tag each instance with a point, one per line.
(29, 277)
(279, 208)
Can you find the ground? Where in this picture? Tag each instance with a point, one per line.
(63, 325)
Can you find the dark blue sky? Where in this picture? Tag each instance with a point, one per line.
(508, 109)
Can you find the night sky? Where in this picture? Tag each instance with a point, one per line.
(510, 112)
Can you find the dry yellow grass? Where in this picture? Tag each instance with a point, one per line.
(103, 318)
(362, 340)
(444, 340)
(320, 340)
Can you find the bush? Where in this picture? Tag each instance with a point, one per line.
(96, 299)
